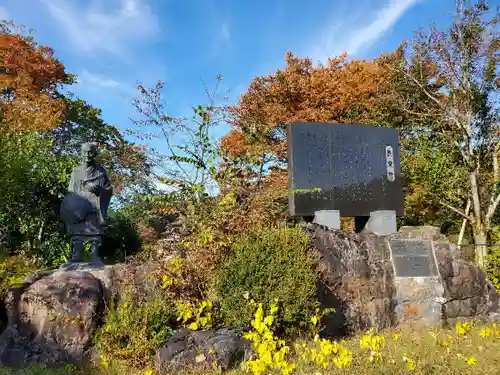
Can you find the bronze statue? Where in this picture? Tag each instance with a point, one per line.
(84, 209)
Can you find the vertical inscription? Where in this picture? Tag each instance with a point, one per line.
(389, 160)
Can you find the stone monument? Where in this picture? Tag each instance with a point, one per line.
(84, 209)
(348, 170)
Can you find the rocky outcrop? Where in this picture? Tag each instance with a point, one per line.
(53, 315)
(209, 350)
(359, 281)
(468, 293)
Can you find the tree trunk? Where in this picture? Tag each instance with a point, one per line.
(481, 247)
(39, 236)
(464, 224)
(479, 227)
(476, 201)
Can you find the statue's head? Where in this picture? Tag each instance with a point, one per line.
(88, 153)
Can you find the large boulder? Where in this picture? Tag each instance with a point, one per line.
(52, 318)
(357, 280)
(53, 315)
(468, 294)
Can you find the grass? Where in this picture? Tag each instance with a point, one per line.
(413, 350)
(465, 349)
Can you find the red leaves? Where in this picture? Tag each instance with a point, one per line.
(35, 67)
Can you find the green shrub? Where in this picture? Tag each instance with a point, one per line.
(133, 333)
(13, 270)
(493, 259)
(54, 251)
(267, 264)
(121, 238)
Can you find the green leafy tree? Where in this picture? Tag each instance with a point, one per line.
(448, 83)
(34, 181)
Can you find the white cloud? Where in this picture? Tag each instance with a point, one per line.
(221, 41)
(100, 83)
(3, 14)
(97, 80)
(225, 33)
(343, 37)
(104, 25)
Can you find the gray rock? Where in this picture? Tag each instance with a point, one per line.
(51, 319)
(222, 349)
(467, 292)
(357, 280)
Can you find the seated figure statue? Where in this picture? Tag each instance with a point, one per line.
(84, 209)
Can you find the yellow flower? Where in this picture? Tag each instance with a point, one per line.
(471, 360)
(486, 332)
(314, 319)
(460, 329)
(410, 363)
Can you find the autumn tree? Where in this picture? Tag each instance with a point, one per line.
(29, 78)
(32, 178)
(42, 131)
(448, 83)
(341, 91)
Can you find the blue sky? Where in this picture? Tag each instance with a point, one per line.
(111, 44)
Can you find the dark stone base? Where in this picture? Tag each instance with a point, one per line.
(81, 266)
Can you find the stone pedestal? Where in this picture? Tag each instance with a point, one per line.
(419, 288)
(419, 299)
(328, 218)
(382, 222)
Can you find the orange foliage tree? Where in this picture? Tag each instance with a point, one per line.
(341, 91)
(29, 77)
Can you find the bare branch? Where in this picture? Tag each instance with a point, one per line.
(435, 100)
(492, 208)
(456, 210)
(422, 114)
(495, 201)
